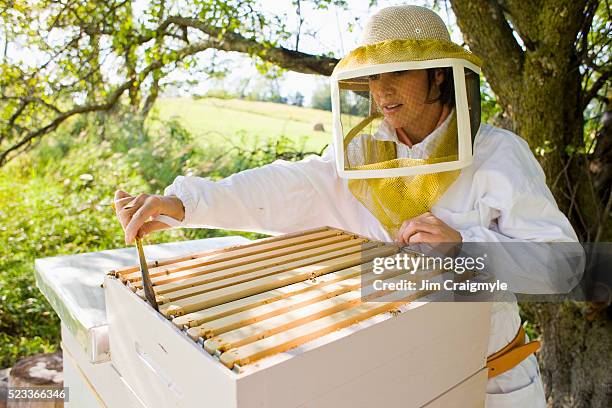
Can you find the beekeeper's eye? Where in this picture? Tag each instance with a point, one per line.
(374, 77)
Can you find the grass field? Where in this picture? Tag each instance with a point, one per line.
(226, 121)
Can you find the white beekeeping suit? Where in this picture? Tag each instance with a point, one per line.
(501, 197)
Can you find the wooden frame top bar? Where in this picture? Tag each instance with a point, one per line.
(247, 302)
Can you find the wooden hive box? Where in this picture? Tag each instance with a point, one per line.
(281, 322)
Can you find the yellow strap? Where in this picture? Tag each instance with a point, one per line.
(359, 127)
(511, 355)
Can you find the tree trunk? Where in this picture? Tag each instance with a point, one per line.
(41, 370)
(538, 84)
(576, 353)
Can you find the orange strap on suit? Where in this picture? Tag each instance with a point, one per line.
(511, 355)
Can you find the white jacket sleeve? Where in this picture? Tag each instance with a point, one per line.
(277, 198)
(532, 245)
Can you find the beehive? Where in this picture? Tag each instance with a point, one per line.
(253, 308)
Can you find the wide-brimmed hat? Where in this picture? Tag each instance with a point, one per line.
(400, 34)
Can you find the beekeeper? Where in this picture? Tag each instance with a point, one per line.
(406, 109)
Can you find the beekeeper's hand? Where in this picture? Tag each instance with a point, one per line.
(134, 212)
(427, 228)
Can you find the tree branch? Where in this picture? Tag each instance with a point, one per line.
(521, 14)
(300, 22)
(488, 33)
(597, 85)
(582, 41)
(230, 41)
(157, 74)
(107, 105)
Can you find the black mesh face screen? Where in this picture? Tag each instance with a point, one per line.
(472, 86)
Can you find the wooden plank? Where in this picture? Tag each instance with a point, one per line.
(224, 324)
(248, 317)
(223, 339)
(195, 285)
(240, 256)
(242, 290)
(280, 263)
(199, 317)
(259, 274)
(266, 328)
(216, 312)
(283, 305)
(296, 336)
(263, 250)
(271, 258)
(153, 264)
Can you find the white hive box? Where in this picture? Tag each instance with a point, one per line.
(286, 315)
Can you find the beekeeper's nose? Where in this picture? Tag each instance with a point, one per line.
(386, 84)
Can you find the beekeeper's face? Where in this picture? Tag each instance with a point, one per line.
(405, 98)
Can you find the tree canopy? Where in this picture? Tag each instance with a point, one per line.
(547, 63)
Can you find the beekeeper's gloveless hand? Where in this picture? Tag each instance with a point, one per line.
(135, 213)
(427, 228)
